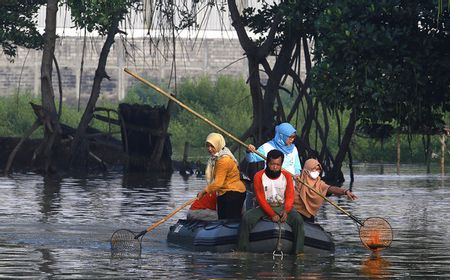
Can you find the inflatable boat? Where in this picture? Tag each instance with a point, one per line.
(266, 236)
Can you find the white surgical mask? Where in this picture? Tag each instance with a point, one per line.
(314, 174)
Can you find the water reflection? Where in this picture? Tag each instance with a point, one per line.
(375, 266)
(132, 180)
(50, 198)
(48, 261)
(260, 266)
(144, 192)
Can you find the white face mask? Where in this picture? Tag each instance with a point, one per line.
(314, 174)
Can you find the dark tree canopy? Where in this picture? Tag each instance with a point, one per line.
(387, 60)
(98, 15)
(18, 25)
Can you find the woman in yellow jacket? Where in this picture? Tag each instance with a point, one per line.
(222, 176)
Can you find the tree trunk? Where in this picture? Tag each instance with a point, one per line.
(336, 177)
(281, 67)
(80, 145)
(262, 120)
(350, 166)
(442, 140)
(12, 155)
(257, 100)
(398, 152)
(382, 155)
(428, 153)
(51, 131)
(264, 95)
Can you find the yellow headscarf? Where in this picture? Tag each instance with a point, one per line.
(218, 142)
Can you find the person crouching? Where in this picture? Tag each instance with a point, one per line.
(274, 191)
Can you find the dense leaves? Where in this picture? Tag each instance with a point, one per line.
(97, 15)
(18, 25)
(388, 60)
(297, 18)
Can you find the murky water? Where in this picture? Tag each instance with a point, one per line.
(60, 229)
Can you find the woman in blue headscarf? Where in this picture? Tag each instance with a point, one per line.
(283, 141)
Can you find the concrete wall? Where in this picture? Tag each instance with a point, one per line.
(211, 57)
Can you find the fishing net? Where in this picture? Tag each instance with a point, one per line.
(125, 243)
(376, 234)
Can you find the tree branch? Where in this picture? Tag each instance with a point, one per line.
(266, 47)
(247, 44)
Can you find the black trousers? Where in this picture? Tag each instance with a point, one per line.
(229, 205)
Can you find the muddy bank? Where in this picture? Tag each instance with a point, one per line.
(111, 153)
(110, 157)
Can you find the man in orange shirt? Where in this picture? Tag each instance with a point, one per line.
(204, 209)
(274, 191)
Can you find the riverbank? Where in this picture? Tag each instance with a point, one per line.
(104, 157)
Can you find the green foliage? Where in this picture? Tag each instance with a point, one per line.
(297, 17)
(142, 94)
(226, 102)
(388, 60)
(16, 114)
(412, 149)
(18, 25)
(97, 15)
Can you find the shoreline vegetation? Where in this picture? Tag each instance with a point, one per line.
(226, 101)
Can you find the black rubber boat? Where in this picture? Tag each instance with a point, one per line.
(222, 235)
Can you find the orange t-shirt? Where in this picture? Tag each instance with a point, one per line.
(208, 201)
(261, 196)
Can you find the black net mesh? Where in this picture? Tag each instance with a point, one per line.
(124, 243)
(376, 234)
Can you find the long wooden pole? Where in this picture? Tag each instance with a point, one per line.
(166, 217)
(171, 97)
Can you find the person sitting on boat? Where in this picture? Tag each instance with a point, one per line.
(283, 141)
(204, 209)
(223, 177)
(306, 201)
(274, 192)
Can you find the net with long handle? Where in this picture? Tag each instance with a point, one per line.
(376, 234)
(125, 242)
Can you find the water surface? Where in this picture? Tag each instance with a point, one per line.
(59, 228)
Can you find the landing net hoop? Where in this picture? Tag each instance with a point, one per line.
(376, 234)
(125, 243)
